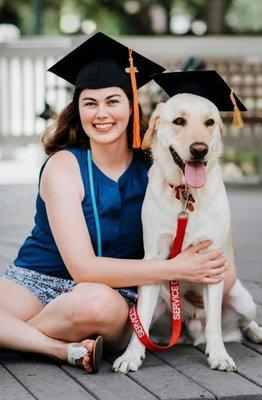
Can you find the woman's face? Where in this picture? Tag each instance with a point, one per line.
(104, 113)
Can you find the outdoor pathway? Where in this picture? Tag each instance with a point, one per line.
(181, 373)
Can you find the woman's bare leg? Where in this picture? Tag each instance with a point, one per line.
(88, 310)
(18, 305)
(18, 301)
(19, 335)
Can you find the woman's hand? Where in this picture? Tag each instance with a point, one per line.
(192, 266)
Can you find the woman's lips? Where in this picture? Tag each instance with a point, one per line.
(104, 127)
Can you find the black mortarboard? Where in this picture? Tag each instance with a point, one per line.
(208, 84)
(102, 62)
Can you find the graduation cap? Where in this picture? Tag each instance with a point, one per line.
(102, 62)
(208, 84)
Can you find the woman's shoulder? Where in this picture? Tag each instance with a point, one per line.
(61, 160)
(63, 163)
(61, 167)
(65, 158)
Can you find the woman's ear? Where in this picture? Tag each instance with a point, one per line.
(152, 127)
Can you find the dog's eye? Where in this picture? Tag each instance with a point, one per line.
(179, 121)
(209, 122)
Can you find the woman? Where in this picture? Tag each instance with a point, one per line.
(58, 289)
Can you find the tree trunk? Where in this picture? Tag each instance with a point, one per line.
(215, 15)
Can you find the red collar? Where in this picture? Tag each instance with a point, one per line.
(179, 191)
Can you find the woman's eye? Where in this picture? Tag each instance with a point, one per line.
(113, 101)
(179, 121)
(209, 122)
(90, 104)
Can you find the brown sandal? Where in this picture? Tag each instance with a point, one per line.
(76, 354)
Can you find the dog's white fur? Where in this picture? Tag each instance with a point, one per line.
(209, 220)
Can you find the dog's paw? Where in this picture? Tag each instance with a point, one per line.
(221, 361)
(254, 333)
(128, 362)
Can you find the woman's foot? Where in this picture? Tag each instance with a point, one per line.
(87, 363)
(87, 353)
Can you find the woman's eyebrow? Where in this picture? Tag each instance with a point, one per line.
(88, 98)
(113, 95)
(108, 97)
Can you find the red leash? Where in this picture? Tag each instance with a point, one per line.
(174, 296)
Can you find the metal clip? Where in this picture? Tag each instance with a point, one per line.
(185, 195)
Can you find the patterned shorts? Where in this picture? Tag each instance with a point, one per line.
(46, 288)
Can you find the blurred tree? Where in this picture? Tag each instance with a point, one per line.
(212, 12)
(37, 6)
(8, 13)
(139, 17)
(29, 15)
(215, 16)
(245, 16)
(135, 16)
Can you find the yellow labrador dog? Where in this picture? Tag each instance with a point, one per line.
(185, 138)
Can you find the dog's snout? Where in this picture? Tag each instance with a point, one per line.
(198, 150)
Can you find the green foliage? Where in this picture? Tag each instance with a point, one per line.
(51, 21)
(247, 159)
(112, 17)
(193, 7)
(26, 20)
(245, 16)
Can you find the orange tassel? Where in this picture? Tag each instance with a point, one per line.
(237, 118)
(136, 123)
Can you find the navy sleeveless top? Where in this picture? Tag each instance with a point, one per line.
(119, 208)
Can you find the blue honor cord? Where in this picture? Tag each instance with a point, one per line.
(93, 199)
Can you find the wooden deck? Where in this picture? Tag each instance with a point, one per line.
(181, 373)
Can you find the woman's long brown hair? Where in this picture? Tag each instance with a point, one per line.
(67, 130)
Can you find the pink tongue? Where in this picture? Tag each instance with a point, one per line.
(195, 174)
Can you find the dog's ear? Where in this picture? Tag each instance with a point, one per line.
(152, 126)
(221, 127)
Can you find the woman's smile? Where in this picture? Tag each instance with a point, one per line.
(103, 126)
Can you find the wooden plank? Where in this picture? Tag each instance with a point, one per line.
(247, 240)
(45, 380)
(254, 346)
(166, 383)
(259, 314)
(224, 385)
(10, 388)
(108, 386)
(255, 289)
(3, 262)
(248, 362)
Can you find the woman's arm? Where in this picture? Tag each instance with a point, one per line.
(62, 190)
(231, 275)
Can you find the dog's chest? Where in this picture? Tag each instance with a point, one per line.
(210, 218)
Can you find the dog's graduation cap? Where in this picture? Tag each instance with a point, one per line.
(208, 84)
(102, 62)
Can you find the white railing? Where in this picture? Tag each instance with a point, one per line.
(25, 85)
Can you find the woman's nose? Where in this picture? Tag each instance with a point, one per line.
(102, 111)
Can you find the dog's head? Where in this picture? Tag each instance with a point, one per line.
(189, 128)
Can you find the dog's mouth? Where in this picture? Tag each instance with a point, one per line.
(194, 171)
(195, 174)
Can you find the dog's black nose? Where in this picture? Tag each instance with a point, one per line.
(198, 150)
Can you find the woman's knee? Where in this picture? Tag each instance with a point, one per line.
(96, 304)
(18, 301)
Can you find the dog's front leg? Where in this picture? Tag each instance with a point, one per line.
(134, 355)
(216, 353)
